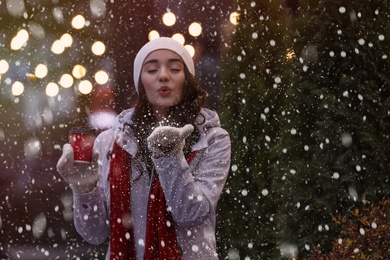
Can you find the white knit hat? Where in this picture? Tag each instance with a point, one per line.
(158, 44)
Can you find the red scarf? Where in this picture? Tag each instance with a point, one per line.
(161, 241)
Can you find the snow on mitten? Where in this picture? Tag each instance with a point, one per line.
(166, 140)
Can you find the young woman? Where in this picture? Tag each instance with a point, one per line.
(159, 171)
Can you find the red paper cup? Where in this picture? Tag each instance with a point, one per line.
(81, 140)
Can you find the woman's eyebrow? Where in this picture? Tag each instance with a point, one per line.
(156, 61)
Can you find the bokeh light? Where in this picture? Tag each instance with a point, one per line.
(98, 7)
(98, 48)
(79, 71)
(179, 37)
(66, 80)
(15, 8)
(85, 87)
(78, 22)
(17, 88)
(41, 71)
(195, 29)
(32, 147)
(67, 40)
(169, 18)
(101, 77)
(234, 18)
(153, 34)
(190, 49)
(19, 40)
(52, 89)
(57, 47)
(4, 66)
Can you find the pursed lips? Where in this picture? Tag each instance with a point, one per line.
(164, 90)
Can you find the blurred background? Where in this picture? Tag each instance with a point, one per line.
(302, 86)
(70, 63)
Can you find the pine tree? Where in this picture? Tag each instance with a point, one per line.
(252, 87)
(334, 145)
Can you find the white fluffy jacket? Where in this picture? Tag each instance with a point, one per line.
(191, 191)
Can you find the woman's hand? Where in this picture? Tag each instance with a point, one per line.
(166, 140)
(82, 177)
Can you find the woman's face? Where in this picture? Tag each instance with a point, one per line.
(162, 76)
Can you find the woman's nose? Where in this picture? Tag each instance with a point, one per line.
(163, 74)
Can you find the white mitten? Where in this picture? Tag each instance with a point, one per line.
(166, 140)
(82, 177)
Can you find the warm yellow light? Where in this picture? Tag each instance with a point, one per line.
(41, 71)
(290, 54)
(19, 40)
(190, 49)
(234, 18)
(66, 81)
(57, 47)
(101, 77)
(67, 40)
(79, 71)
(98, 48)
(52, 89)
(85, 87)
(4, 66)
(78, 22)
(17, 88)
(179, 37)
(153, 35)
(169, 18)
(195, 29)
